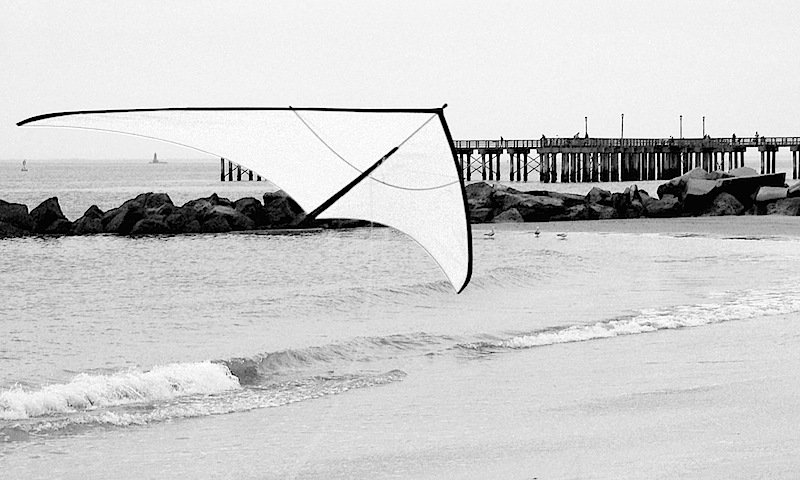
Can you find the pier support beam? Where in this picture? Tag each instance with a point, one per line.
(795, 161)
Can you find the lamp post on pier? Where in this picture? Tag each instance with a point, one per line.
(704, 126)
(622, 126)
(681, 126)
(586, 127)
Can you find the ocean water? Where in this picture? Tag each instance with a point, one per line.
(630, 349)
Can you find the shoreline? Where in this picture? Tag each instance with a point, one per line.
(756, 226)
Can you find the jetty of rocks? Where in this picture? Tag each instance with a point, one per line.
(741, 191)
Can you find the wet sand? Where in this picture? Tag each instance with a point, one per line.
(729, 226)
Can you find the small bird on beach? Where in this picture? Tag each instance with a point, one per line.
(561, 236)
(490, 233)
(537, 232)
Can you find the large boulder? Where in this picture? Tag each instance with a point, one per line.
(16, 214)
(480, 215)
(48, 218)
(181, 219)
(148, 200)
(531, 207)
(121, 220)
(785, 206)
(597, 211)
(667, 206)
(724, 204)
(235, 219)
(150, 226)
(628, 204)
(794, 190)
(282, 210)
(204, 206)
(511, 215)
(600, 197)
(216, 224)
(252, 209)
(91, 222)
(11, 230)
(480, 195)
(575, 212)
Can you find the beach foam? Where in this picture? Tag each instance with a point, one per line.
(86, 392)
(732, 307)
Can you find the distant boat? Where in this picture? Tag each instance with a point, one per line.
(24, 165)
(156, 160)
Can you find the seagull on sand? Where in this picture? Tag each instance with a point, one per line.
(537, 232)
(561, 236)
(490, 233)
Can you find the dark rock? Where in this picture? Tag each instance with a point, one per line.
(91, 222)
(531, 207)
(794, 190)
(511, 215)
(252, 209)
(121, 220)
(628, 204)
(675, 188)
(47, 217)
(568, 199)
(16, 214)
(665, 207)
(282, 210)
(236, 220)
(148, 200)
(480, 215)
(149, 226)
(724, 204)
(480, 195)
(182, 220)
(785, 206)
(600, 197)
(596, 211)
(575, 212)
(10, 230)
(216, 224)
(204, 206)
(164, 210)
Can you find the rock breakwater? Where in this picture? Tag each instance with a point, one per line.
(696, 193)
(155, 213)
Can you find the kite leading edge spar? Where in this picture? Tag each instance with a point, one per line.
(396, 167)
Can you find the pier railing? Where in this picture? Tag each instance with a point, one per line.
(591, 142)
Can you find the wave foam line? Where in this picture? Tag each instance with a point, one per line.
(750, 305)
(86, 392)
(238, 400)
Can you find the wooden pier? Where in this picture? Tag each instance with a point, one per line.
(551, 160)
(237, 170)
(615, 159)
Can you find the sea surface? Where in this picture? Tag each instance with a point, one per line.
(629, 349)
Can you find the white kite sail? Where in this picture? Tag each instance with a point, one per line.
(395, 167)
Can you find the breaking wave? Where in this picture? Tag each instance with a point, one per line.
(87, 392)
(749, 305)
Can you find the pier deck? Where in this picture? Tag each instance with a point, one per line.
(576, 159)
(615, 159)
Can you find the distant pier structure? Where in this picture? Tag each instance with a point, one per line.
(550, 160)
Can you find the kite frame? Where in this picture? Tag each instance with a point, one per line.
(435, 111)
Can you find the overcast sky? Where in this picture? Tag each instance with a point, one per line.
(518, 69)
